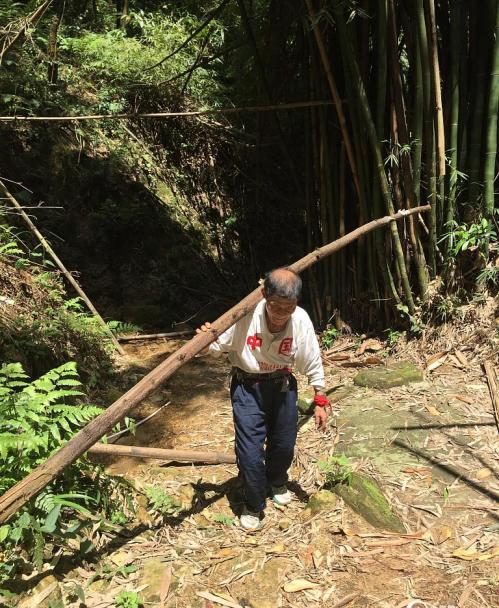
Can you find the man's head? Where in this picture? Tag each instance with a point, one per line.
(281, 289)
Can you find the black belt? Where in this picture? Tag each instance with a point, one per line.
(241, 375)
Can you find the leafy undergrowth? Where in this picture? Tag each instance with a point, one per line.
(40, 326)
(37, 418)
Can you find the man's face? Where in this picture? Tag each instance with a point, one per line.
(279, 310)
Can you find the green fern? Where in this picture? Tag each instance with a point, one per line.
(37, 417)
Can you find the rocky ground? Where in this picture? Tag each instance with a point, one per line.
(431, 445)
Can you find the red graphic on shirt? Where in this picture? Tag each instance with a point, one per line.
(285, 346)
(254, 342)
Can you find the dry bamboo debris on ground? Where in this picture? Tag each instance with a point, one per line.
(448, 537)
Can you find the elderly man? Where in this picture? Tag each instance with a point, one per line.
(263, 347)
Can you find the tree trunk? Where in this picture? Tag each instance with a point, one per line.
(28, 487)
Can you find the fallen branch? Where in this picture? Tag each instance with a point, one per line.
(493, 388)
(44, 473)
(60, 265)
(116, 449)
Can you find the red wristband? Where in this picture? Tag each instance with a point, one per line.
(321, 401)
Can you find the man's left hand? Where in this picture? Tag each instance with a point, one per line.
(321, 414)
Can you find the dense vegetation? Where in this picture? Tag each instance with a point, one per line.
(186, 201)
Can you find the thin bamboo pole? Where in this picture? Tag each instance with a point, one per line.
(417, 121)
(128, 116)
(61, 266)
(28, 487)
(437, 90)
(428, 137)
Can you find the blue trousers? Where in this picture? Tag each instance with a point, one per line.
(264, 411)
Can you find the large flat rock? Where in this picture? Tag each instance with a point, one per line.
(390, 375)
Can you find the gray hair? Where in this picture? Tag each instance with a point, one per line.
(282, 282)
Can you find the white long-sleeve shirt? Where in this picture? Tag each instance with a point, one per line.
(254, 349)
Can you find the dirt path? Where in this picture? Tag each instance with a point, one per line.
(432, 445)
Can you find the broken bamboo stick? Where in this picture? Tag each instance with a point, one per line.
(115, 449)
(493, 388)
(60, 265)
(19, 494)
(171, 334)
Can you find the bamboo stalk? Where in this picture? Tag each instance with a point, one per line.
(382, 71)
(478, 68)
(405, 157)
(44, 473)
(417, 124)
(437, 91)
(491, 133)
(115, 449)
(456, 32)
(429, 146)
(61, 267)
(376, 150)
(335, 94)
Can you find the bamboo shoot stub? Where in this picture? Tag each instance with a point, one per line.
(28, 487)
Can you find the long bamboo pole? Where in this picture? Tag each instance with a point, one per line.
(134, 451)
(28, 487)
(130, 115)
(61, 266)
(336, 96)
(428, 135)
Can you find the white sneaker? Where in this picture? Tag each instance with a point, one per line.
(249, 519)
(280, 495)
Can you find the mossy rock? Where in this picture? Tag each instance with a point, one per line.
(324, 500)
(387, 376)
(365, 497)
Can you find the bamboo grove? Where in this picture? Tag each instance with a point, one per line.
(415, 92)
